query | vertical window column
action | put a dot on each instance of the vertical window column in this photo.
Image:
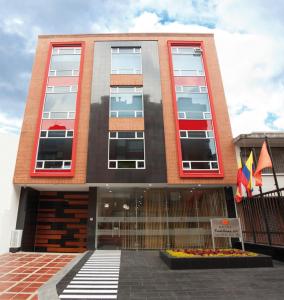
(196, 136)
(55, 147)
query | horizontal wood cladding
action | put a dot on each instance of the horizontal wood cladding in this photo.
(116, 124)
(62, 222)
(123, 79)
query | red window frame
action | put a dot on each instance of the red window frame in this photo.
(58, 173)
(188, 173)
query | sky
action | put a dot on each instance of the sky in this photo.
(248, 35)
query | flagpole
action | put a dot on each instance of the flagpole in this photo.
(254, 159)
(261, 204)
(273, 170)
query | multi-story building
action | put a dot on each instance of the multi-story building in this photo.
(126, 143)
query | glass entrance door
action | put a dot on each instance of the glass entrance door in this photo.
(157, 218)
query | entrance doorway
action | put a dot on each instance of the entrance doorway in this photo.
(157, 218)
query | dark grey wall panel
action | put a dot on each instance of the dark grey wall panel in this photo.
(98, 171)
(27, 217)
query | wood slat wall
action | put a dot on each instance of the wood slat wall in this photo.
(62, 222)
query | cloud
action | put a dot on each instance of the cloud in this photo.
(9, 124)
(248, 37)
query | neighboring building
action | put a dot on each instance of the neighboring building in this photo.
(126, 143)
(246, 142)
(9, 199)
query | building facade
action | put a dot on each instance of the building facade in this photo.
(245, 143)
(126, 143)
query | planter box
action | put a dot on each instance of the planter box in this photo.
(259, 261)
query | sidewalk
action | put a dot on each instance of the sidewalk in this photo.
(21, 274)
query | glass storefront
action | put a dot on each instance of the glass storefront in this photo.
(158, 218)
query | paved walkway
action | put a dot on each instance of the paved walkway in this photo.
(21, 274)
(143, 276)
(97, 278)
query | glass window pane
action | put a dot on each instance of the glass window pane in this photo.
(53, 165)
(60, 102)
(126, 164)
(126, 150)
(58, 115)
(55, 149)
(65, 62)
(187, 62)
(198, 149)
(126, 134)
(200, 165)
(126, 105)
(197, 134)
(126, 63)
(56, 133)
(196, 104)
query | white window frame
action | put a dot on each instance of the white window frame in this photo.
(135, 50)
(65, 163)
(70, 115)
(136, 161)
(194, 51)
(56, 52)
(119, 90)
(209, 134)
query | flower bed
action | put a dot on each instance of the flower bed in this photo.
(183, 253)
(213, 259)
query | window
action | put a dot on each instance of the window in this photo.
(126, 60)
(65, 61)
(60, 102)
(55, 150)
(126, 150)
(198, 150)
(187, 61)
(126, 102)
(193, 102)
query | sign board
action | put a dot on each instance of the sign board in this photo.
(226, 227)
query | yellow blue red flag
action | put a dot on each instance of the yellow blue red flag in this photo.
(248, 170)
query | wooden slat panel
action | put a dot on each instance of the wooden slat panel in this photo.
(57, 211)
(76, 202)
(48, 232)
(45, 215)
(39, 226)
(83, 244)
(76, 196)
(59, 220)
(66, 250)
(81, 216)
(47, 245)
(75, 211)
(76, 225)
(49, 236)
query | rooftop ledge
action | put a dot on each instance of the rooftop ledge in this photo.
(152, 34)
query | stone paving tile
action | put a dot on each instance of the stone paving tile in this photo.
(144, 276)
(21, 274)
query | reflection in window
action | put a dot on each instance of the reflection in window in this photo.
(65, 62)
(54, 152)
(126, 151)
(126, 61)
(59, 106)
(198, 151)
(187, 65)
(126, 102)
(193, 106)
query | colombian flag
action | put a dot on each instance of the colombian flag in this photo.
(247, 171)
(239, 192)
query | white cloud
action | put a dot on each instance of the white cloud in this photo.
(9, 124)
(248, 38)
